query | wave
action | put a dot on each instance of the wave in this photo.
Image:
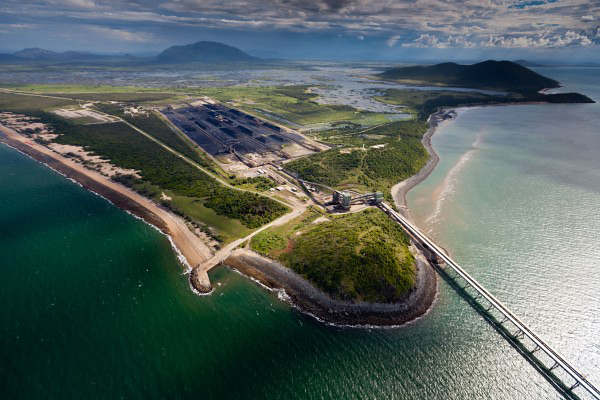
(446, 188)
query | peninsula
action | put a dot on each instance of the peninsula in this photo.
(233, 175)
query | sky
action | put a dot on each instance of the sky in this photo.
(318, 29)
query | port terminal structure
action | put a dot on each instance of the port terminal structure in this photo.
(553, 366)
(340, 199)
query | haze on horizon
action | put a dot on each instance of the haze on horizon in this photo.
(321, 29)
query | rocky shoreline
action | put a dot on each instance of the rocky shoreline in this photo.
(310, 300)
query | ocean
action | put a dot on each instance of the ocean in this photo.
(95, 303)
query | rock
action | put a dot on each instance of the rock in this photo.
(199, 280)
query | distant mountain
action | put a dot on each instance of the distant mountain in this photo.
(530, 64)
(498, 75)
(206, 52)
(35, 53)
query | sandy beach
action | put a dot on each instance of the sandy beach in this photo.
(192, 248)
(400, 189)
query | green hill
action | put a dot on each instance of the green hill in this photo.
(205, 52)
(498, 75)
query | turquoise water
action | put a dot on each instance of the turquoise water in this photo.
(516, 199)
(95, 305)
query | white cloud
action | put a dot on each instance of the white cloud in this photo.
(74, 3)
(570, 38)
(435, 23)
(427, 40)
(391, 42)
(361, 37)
(121, 34)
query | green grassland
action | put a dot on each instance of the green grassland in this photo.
(125, 94)
(358, 256)
(25, 104)
(289, 103)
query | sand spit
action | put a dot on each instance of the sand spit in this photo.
(191, 247)
(313, 301)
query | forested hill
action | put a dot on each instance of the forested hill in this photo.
(498, 75)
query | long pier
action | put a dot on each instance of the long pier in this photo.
(523, 331)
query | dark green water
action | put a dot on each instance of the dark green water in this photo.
(94, 305)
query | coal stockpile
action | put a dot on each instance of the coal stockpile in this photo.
(213, 122)
(203, 140)
(216, 129)
(230, 132)
(272, 127)
(245, 130)
(277, 138)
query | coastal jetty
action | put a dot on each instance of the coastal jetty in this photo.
(547, 360)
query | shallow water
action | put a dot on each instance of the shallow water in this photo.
(95, 305)
(516, 199)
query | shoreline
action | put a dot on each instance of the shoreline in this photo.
(400, 189)
(310, 300)
(190, 249)
(304, 296)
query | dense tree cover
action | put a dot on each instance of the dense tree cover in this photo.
(396, 161)
(330, 167)
(299, 92)
(358, 256)
(129, 149)
(372, 168)
(155, 126)
(411, 128)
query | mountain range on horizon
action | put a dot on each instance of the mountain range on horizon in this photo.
(207, 52)
(199, 52)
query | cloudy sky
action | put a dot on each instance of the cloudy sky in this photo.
(378, 29)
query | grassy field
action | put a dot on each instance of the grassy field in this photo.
(126, 94)
(359, 256)
(24, 104)
(290, 103)
(64, 88)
